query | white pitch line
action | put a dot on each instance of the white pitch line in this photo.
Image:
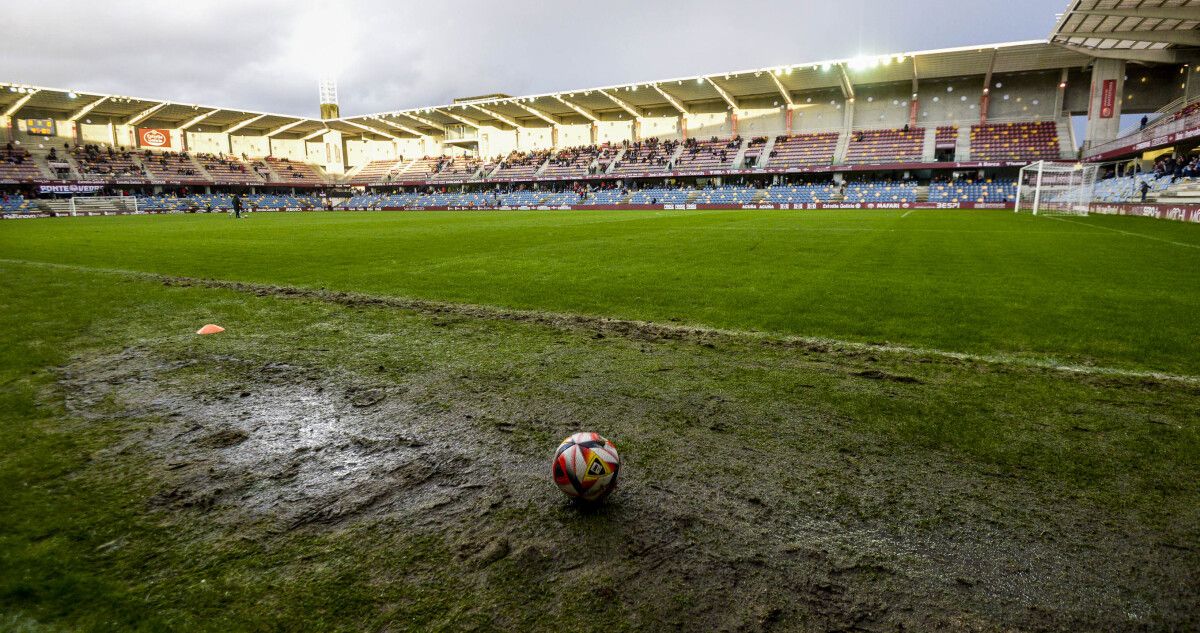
(991, 359)
(1107, 228)
(906, 213)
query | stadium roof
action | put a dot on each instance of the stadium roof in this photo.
(1141, 30)
(1073, 45)
(79, 105)
(777, 83)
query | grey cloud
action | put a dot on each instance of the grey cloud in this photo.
(265, 55)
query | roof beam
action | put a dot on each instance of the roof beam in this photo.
(87, 108)
(987, 77)
(1181, 38)
(587, 114)
(1165, 13)
(198, 118)
(462, 119)
(283, 128)
(402, 128)
(783, 92)
(144, 114)
(916, 77)
(847, 85)
(1151, 56)
(372, 130)
(671, 100)
(19, 103)
(423, 121)
(733, 103)
(623, 104)
(496, 115)
(538, 113)
(315, 134)
(243, 124)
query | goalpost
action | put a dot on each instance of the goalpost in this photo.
(1056, 188)
(103, 204)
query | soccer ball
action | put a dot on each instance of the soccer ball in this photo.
(585, 466)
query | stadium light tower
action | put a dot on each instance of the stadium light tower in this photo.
(327, 88)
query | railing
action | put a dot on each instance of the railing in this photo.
(1151, 132)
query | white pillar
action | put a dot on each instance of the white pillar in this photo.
(1104, 102)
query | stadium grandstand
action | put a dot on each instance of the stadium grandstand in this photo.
(970, 115)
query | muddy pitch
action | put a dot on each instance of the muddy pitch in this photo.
(729, 536)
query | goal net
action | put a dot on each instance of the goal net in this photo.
(103, 204)
(1056, 188)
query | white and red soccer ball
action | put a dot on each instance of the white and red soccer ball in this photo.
(586, 466)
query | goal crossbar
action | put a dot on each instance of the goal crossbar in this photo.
(102, 204)
(1056, 188)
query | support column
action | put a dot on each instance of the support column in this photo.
(333, 162)
(683, 126)
(787, 119)
(1104, 103)
(733, 122)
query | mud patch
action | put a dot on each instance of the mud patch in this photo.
(296, 446)
(875, 374)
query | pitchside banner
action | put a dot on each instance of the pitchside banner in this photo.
(1108, 98)
(154, 137)
(68, 189)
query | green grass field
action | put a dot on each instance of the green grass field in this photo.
(1103, 290)
(836, 420)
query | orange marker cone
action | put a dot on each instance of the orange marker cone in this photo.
(210, 329)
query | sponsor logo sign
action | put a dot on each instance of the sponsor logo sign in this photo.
(1108, 98)
(69, 188)
(154, 137)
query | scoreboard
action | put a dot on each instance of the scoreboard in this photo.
(40, 127)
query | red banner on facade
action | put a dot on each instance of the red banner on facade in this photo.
(154, 137)
(1108, 98)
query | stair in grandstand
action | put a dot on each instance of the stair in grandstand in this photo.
(264, 170)
(739, 159)
(1180, 192)
(405, 166)
(922, 193)
(1066, 140)
(843, 146)
(963, 153)
(617, 159)
(43, 166)
(674, 160)
(929, 146)
(764, 159)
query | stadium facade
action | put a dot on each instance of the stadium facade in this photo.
(917, 116)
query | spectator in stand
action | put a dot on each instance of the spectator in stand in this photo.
(1145, 121)
(1145, 190)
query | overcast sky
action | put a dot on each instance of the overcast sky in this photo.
(390, 54)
